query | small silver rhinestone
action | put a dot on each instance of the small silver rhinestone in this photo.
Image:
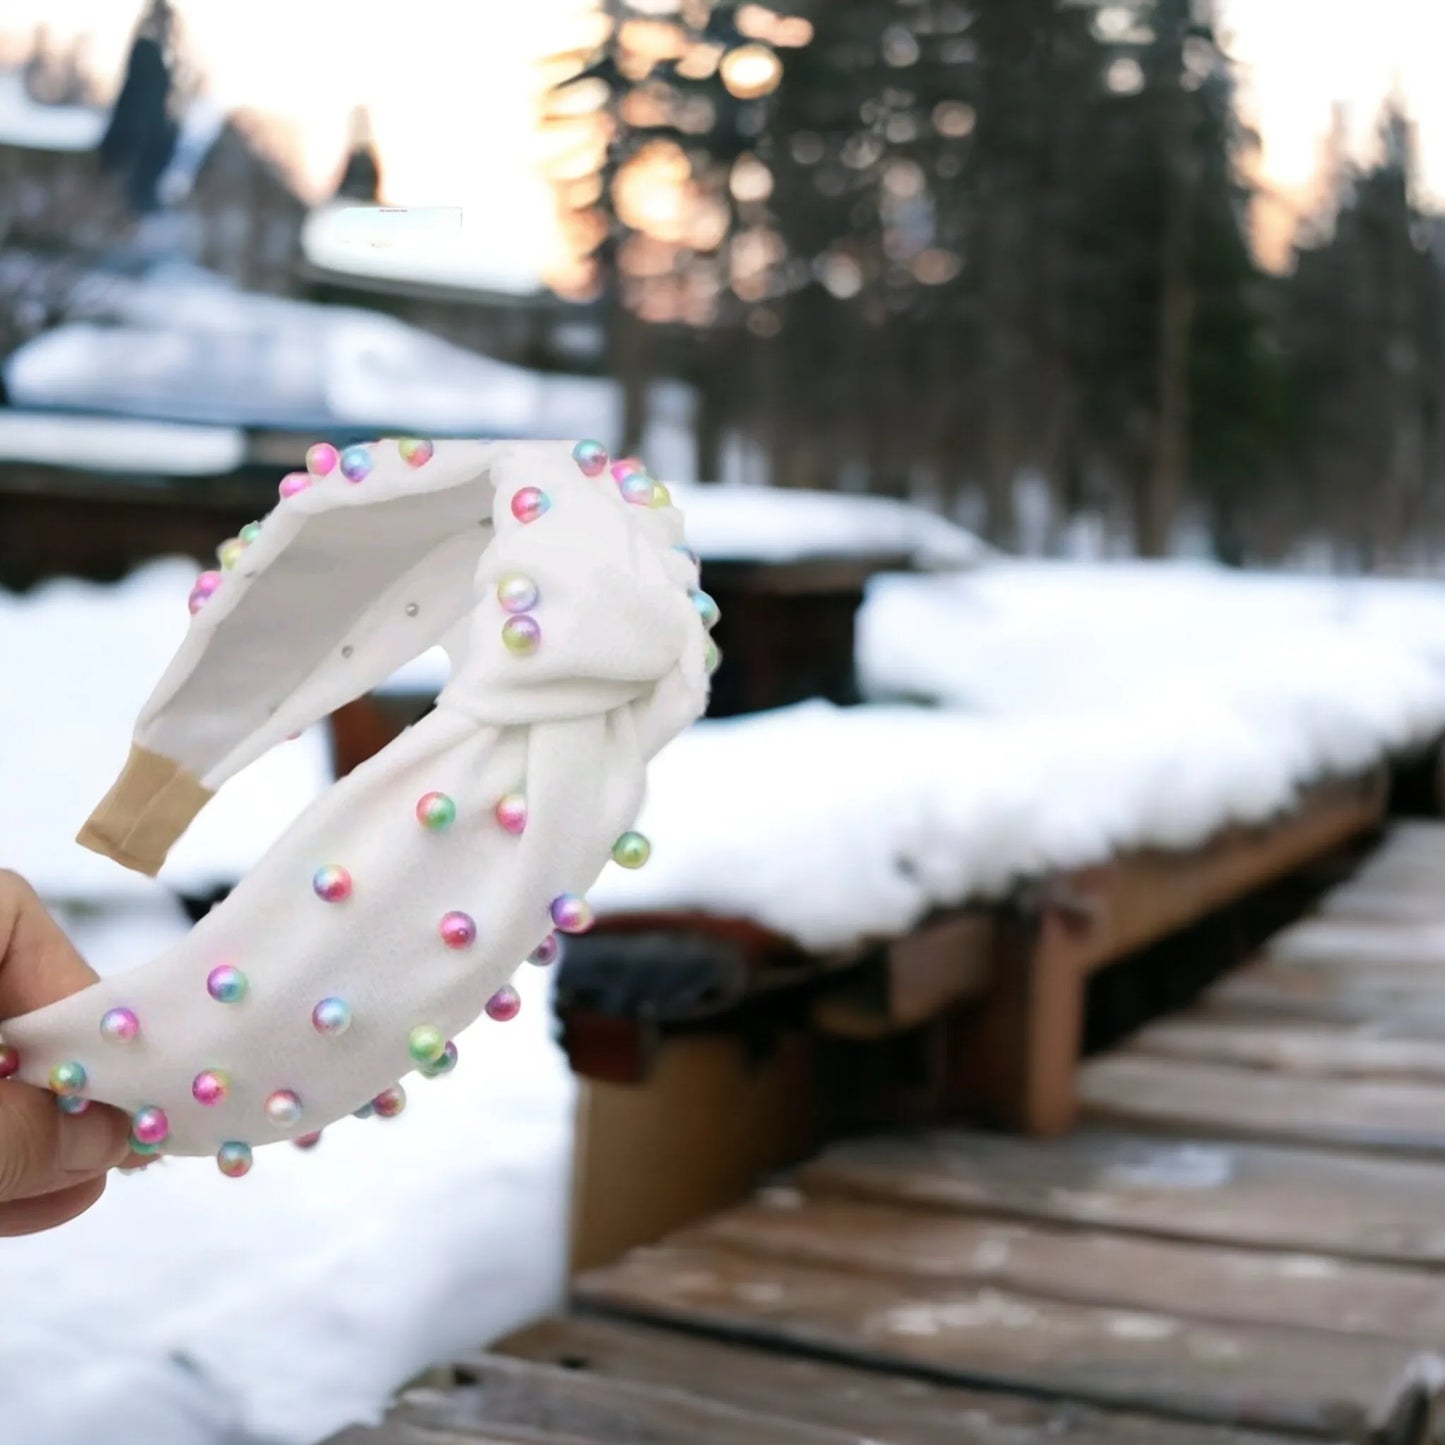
(412, 609)
(347, 650)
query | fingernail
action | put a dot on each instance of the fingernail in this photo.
(93, 1141)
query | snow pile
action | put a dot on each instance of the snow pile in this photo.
(117, 444)
(29, 125)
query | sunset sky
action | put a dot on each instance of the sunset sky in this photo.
(452, 87)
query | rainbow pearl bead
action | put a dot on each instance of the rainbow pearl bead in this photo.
(435, 812)
(591, 458)
(356, 464)
(530, 503)
(211, 1087)
(425, 1043)
(504, 1005)
(68, 1078)
(444, 1063)
(390, 1102)
(307, 1141)
(293, 483)
(230, 552)
(639, 489)
(234, 1159)
(227, 984)
(707, 609)
(321, 459)
(283, 1107)
(547, 952)
(571, 914)
(625, 467)
(70, 1104)
(511, 812)
(516, 593)
(631, 850)
(521, 635)
(415, 452)
(332, 883)
(9, 1061)
(203, 591)
(332, 1016)
(150, 1126)
(458, 930)
(119, 1025)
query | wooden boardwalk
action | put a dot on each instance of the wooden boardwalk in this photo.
(1243, 1243)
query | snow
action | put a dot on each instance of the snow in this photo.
(442, 246)
(26, 124)
(184, 345)
(116, 444)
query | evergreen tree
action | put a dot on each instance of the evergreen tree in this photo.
(141, 138)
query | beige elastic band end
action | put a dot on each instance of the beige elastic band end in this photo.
(149, 806)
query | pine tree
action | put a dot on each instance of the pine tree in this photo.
(141, 137)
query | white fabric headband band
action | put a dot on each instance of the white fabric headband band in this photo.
(392, 912)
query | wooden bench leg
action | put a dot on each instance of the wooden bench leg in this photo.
(692, 1138)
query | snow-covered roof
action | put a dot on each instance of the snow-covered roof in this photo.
(27, 124)
(184, 345)
(455, 248)
(118, 444)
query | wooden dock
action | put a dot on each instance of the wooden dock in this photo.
(1242, 1242)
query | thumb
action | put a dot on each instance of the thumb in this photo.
(43, 1150)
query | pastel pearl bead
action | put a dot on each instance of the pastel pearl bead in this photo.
(356, 464)
(119, 1025)
(626, 467)
(415, 452)
(150, 1126)
(226, 984)
(511, 812)
(68, 1078)
(687, 552)
(332, 1016)
(444, 1063)
(203, 591)
(661, 497)
(390, 1102)
(234, 1159)
(547, 952)
(283, 1107)
(631, 850)
(211, 1087)
(639, 489)
(307, 1141)
(71, 1104)
(516, 593)
(9, 1061)
(707, 609)
(591, 458)
(332, 883)
(435, 812)
(504, 1005)
(426, 1043)
(321, 459)
(459, 930)
(529, 503)
(521, 635)
(712, 656)
(230, 552)
(365, 1111)
(571, 914)
(249, 533)
(293, 483)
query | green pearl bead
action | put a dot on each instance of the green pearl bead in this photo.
(426, 1044)
(250, 532)
(631, 850)
(712, 657)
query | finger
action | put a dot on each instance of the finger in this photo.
(45, 1211)
(38, 963)
(43, 1150)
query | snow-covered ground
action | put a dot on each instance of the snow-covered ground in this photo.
(1086, 709)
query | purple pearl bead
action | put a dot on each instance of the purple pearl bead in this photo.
(504, 1005)
(356, 464)
(547, 952)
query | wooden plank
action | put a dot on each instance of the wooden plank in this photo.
(1200, 1281)
(883, 1407)
(1137, 1090)
(1311, 1382)
(1332, 942)
(1251, 1195)
(1304, 1048)
(1404, 996)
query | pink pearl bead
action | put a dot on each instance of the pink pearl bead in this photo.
(210, 1088)
(150, 1125)
(529, 503)
(511, 812)
(119, 1025)
(9, 1061)
(504, 1005)
(571, 914)
(203, 591)
(390, 1102)
(459, 930)
(332, 883)
(626, 467)
(292, 483)
(415, 452)
(307, 1141)
(545, 954)
(321, 459)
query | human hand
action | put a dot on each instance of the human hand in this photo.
(53, 1165)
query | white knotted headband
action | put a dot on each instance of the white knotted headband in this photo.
(389, 916)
